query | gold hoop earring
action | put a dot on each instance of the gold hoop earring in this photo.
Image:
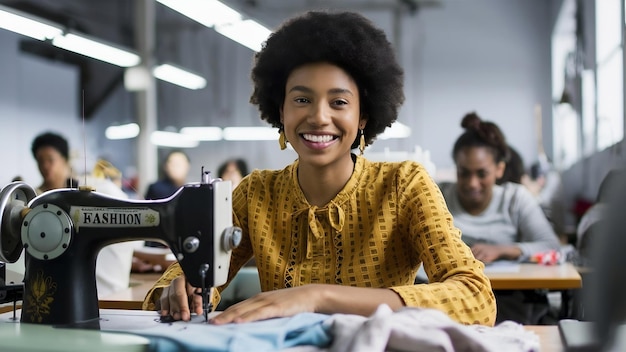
(362, 143)
(282, 140)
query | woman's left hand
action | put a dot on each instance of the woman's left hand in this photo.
(272, 304)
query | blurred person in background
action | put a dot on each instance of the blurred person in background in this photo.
(233, 170)
(592, 218)
(114, 262)
(544, 182)
(51, 151)
(175, 170)
(514, 169)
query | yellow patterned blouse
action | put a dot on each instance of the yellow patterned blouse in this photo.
(388, 219)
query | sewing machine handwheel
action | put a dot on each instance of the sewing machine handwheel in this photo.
(13, 199)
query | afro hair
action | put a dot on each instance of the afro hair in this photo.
(345, 39)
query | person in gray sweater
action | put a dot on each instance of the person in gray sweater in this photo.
(511, 227)
(498, 222)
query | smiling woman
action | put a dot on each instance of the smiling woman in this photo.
(506, 220)
(334, 232)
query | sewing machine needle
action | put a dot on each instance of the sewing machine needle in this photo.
(207, 305)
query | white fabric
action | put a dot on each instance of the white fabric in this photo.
(113, 267)
(114, 261)
(415, 329)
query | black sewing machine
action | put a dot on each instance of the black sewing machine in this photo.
(63, 230)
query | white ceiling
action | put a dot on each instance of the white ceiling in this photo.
(113, 21)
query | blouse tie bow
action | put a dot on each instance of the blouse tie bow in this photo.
(336, 218)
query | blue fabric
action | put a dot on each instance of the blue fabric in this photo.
(266, 335)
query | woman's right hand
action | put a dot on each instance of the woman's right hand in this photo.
(178, 300)
(488, 253)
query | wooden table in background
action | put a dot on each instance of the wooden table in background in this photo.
(537, 276)
(132, 297)
(549, 338)
(529, 276)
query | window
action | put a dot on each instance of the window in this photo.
(610, 73)
(588, 85)
(565, 125)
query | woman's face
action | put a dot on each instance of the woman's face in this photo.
(477, 172)
(232, 174)
(52, 165)
(321, 113)
(177, 167)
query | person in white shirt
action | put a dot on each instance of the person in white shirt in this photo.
(597, 212)
(113, 264)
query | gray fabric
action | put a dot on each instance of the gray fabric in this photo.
(415, 329)
(512, 217)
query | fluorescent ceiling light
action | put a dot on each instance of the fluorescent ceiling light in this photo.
(206, 12)
(126, 131)
(250, 133)
(41, 29)
(172, 139)
(24, 24)
(96, 49)
(137, 78)
(203, 133)
(248, 33)
(397, 130)
(226, 20)
(179, 76)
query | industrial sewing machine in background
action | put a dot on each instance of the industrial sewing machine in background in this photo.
(10, 291)
(63, 230)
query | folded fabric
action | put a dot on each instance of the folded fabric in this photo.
(415, 329)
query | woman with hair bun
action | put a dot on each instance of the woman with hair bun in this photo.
(496, 221)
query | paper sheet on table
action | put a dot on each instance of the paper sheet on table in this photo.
(502, 266)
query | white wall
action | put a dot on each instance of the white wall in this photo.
(488, 56)
(35, 96)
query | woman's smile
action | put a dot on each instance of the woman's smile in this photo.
(318, 141)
